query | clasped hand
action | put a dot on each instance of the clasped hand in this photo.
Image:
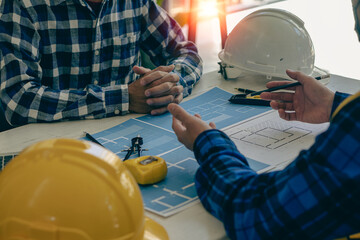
(154, 90)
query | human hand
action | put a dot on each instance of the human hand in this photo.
(311, 102)
(161, 87)
(187, 127)
(137, 98)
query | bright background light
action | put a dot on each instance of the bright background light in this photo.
(207, 8)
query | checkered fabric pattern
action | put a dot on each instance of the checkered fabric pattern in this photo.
(5, 159)
(60, 60)
(315, 197)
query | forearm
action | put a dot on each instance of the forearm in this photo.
(222, 168)
(166, 45)
(284, 204)
(27, 101)
(224, 183)
(189, 69)
(29, 95)
(188, 63)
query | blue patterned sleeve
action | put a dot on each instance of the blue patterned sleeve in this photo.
(315, 197)
(338, 98)
(24, 95)
(164, 41)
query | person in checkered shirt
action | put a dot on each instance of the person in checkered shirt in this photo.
(315, 197)
(80, 59)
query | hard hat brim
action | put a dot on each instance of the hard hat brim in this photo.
(234, 71)
(154, 230)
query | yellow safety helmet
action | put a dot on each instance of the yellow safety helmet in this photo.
(67, 189)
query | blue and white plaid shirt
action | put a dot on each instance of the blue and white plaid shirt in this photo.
(59, 60)
(315, 197)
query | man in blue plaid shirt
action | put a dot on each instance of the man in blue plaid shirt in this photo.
(315, 197)
(76, 59)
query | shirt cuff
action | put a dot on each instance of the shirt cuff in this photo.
(210, 141)
(338, 98)
(116, 100)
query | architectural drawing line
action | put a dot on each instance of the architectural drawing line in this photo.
(153, 125)
(295, 139)
(176, 193)
(179, 162)
(112, 140)
(158, 201)
(291, 137)
(181, 205)
(187, 186)
(169, 151)
(266, 136)
(169, 165)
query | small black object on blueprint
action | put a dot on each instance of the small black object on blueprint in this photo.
(242, 99)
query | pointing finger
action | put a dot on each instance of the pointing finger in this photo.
(179, 113)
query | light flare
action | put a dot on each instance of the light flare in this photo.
(207, 8)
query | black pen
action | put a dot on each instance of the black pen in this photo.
(285, 86)
(244, 90)
(92, 139)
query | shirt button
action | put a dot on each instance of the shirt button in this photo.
(97, 52)
(117, 112)
(96, 82)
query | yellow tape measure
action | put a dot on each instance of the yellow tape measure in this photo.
(147, 169)
(254, 97)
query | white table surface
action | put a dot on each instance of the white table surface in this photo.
(330, 24)
(192, 223)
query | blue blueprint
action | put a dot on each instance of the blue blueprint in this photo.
(213, 106)
(177, 190)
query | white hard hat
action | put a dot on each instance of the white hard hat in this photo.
(268, 42)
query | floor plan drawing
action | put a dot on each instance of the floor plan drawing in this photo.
(270, 134)
(272, 140)
(177, 191)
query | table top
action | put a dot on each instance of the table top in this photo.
(326, 30)
(192, 223)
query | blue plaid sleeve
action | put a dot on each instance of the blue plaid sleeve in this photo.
(315, 197)
(164, 41)
(46, 69)
(338, 98)
(60, 60)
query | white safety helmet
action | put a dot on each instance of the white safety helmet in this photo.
(268, 42)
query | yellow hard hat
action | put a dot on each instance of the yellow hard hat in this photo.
(66, 189)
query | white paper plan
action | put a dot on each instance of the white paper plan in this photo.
(269, 139)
